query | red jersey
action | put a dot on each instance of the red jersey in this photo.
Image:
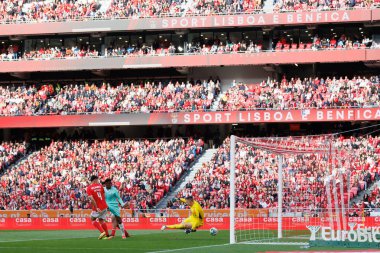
(97, 192)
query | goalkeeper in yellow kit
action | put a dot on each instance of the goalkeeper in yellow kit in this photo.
(194, 221)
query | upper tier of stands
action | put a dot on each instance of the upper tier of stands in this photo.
(53, 10)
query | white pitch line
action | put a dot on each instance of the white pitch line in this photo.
(199, 247)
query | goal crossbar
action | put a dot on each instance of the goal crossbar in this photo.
(279, 148)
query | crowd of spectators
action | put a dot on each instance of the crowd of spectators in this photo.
(23, 100)
(27, 11)
(212, 46)
(297, 93)
(56, 52)
(10, 152)
(162, 8)
(21, 11)
(314, 5)
(10, 51)
(305, 175)
(157, 96)
(130, 50)
(324, 42)
(56, 176)
(371, 201)
(143, 97)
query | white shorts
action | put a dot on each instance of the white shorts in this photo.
(99, 215)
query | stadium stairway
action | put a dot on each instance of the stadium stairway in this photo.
(361, 194)
(188, 177)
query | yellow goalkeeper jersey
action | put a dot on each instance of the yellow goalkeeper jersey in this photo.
(196, 210)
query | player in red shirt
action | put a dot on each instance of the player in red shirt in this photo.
(95, 193)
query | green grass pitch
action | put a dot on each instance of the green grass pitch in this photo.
(141, 241)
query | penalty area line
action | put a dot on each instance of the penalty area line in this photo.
(199, 247)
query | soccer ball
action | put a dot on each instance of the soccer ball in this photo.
(213, 231)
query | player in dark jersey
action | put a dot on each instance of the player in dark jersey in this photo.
(113, 201)
(95, 193)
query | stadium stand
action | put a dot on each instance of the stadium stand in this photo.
(297, 93)
(257, 176)
(23, 100)
(295, 5)
(144, 97)
(49, 53)
(12, 51)
(29, 11)
(318, 42)
(157, 96)
(55, 177)
(371, 200)
(10, 152)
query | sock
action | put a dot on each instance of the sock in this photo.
(121, 226)
(97, 225)
(104, 226)
(113, 232)
(176, 226)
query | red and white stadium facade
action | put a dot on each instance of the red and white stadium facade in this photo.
(43, 220)
(199, 117)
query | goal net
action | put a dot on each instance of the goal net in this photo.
(285, 188)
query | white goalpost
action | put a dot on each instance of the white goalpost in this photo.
(282, 188)
(232, 190)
